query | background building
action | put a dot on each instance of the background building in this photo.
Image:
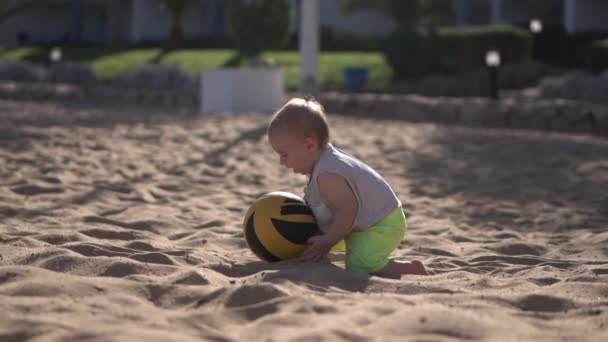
(120, 22)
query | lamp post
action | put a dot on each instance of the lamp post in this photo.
(493, 63)
(55, 55)
(536, 27)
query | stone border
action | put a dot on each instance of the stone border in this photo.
(98, 95)
(513, 112)
(520, 112)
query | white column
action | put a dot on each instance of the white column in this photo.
(570, 16)
(309, 45)
(462, 12)
(136, 20)
(496, 11)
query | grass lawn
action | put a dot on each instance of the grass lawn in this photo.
(111, 63)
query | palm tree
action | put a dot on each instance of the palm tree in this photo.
(175, 9)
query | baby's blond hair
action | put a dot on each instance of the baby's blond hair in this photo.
(304, 116)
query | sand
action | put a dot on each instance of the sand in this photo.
(123, 225)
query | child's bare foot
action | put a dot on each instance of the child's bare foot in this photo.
(395, 269)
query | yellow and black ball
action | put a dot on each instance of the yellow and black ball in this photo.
(277, 226)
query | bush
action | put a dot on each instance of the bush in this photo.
(598, 57)
(335, 40)
(75, 73)
(258, 25)
(157, 76)
(465, 47)
(577, 48)
(413, 54)
(20, 71)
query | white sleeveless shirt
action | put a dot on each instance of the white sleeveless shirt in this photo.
(374, 195)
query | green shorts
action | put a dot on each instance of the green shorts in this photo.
(368, 251)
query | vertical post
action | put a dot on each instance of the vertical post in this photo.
(463, 8)
(570, 16)
(496, 10)
(75, 29)
(136, 18)
(493, 71)
(309, 45)
(493, 63)
(113, 29)
(215, 16)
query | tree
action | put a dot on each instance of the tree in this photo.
(412, 50)
(175, 9)
(258, 25)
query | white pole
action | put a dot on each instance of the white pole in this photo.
(309, 45)
(496, 11)
(570, 16)
(136, 21)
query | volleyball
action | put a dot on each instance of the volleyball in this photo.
(277, 226)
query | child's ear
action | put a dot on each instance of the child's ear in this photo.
(311, 143)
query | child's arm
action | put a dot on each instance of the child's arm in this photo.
(342, 202)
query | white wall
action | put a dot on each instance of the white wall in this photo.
(42, 24)
(366, 23)
(514, 11)
(48, 21)
(586, 15)
(152, 23)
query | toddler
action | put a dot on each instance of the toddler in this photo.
(349, 199)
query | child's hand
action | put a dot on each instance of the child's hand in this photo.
(318, 248)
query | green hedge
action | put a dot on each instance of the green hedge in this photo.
(451, 49)
(412, 54)
(598, 57)
(336, 40)
(258, 26)
(466, 47)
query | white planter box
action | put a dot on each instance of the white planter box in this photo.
(242, 90)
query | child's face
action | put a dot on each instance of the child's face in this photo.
(295, 152)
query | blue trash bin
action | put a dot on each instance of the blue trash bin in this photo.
(355, 78)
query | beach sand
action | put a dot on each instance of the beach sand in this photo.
(120, 225)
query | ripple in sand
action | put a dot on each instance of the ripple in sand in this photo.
(153, 258)
(434, 251)
(543, 303)
(517, 248)
(211, 223)
(60, 239)
(93, 250)
(600, 271)
(113, 234)
(64, 263)
(253, 294)
(191, 278)
(32, 190)
(121, 269)
(141, 246)
(545, 281)
(149, 225)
